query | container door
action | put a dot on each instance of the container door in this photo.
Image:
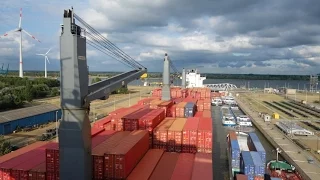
(7, 129)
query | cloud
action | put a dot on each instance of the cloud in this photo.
(233, 36)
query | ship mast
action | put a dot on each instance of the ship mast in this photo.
(278, 152)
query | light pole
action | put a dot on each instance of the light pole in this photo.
(57, 138)
(129, 100)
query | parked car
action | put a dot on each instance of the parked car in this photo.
(216, 102)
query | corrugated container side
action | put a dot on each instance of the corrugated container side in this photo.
(160, 134)
(131, 121)
(117, 122)
(184, 166)
(180, 109)
(175, 135)
(38, 172)
(189, 135)
(246, 163)
(151, 123)
(22, 150)
(259, 165)
(101, 166)
(102, 122)
(241, 177)
(202, 167)
(205, 135)
(129, 152)
(235, 154)
(173, 111)
(165, 167)
(198, 114)
(21, 171)
(5, 167)
(146, 166)
(200, 106)
(254, 144)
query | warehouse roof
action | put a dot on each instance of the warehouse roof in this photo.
(16, 114)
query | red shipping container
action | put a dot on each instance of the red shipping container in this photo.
(117, 121)
(241, 177)
(160, 134)
(165, 167)
(173, 93)
(175, 135)
(146, 166)
(22, 150)
(95, 131)
(208, 94)
(38, 172)
(151, 123)
(189, 135)
(154, 104)
(21, 171)
(177, 100)
(202, 167)
(206, 114)
(200, 105)
(165, 106)
(205, 135)
(117, 111)
(173, 111)
(206, 104)
(131, 121)
(180, 109)
(100, 168)
(179, 94)
(5, 167)
(197, 95)
(184, 166)
(129, 152)
(52, 154)
(199, 114)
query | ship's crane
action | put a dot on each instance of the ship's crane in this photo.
(76, 95)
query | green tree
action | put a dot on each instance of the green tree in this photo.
(95, 80)
(5, 146)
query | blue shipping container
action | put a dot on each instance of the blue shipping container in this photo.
(235, 149)
(189, 109)
(259, 165)
(247, 164)
(254, 144)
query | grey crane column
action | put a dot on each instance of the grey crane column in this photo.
(166, 94)
(183, 83)
(74, 130)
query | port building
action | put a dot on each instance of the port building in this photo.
(30, 116)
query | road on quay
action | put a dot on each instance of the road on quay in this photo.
(295, 155)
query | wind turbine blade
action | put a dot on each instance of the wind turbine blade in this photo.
(20, 18)
(48, 51)
(30, 35)
(9, 32)
(40, 54)
(47, 59)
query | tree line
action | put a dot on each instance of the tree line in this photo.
(15, 91)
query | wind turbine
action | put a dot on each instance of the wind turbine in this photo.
(45, 62)
(20, 30)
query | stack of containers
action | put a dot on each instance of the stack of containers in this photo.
(160, 134)
(117, 122)
(254, 144)
(259, 170)
(106, 120)
(103, 167)
(200, 106)
(177, 100)
(189, 135)
(202, 167)
(131, 121)
(180, 109)
(146, 101)
(175, 135)
(172, 111)
(184, 166)
(207, 104)
(145, 167)
(26, 161)
(204, 137)
(208, 94)
(126, 155)
(166, 105)
(235, 151)
(190, 109)
(95, 131)
(173, 93)
(247, 165)
(156, 92)
(151, 119)
(52, 154)
(198, 114)
(38, 172)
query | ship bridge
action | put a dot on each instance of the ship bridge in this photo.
(221, 87)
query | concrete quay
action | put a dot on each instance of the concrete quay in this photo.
(290, 151)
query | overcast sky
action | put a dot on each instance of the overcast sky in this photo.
(230, 36)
